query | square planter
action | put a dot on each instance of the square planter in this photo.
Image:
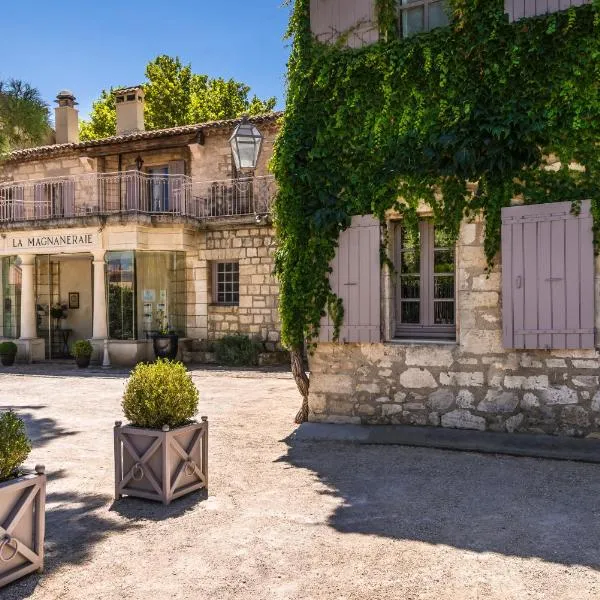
(161, 465)
(22, 526)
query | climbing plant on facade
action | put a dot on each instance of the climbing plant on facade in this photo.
(463, 117)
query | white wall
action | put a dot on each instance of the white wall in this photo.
(76, 276)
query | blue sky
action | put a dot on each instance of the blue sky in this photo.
(87, 46)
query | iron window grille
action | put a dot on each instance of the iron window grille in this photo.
(418, 16)
(226, 283)
(425, 286)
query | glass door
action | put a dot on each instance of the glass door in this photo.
(47, 293)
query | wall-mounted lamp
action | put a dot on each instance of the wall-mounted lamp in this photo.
(139, 163)
(200, 138)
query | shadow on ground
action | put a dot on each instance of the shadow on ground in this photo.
(75, 523)
(482, 503)
(41, 430)
(137, 509)
(61, 370)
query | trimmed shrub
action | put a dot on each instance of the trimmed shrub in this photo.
(14, 445)
(158, 394)
(81, 348)
(8, 348)
(237, 350)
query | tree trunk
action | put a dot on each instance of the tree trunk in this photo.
(302, 382)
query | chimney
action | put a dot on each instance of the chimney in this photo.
(66, 120)
(130, 109)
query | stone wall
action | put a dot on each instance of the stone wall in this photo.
(471, 384)
(252, 246)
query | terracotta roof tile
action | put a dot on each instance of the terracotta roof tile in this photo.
(58, 149)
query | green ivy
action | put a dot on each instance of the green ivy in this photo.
(480, 102)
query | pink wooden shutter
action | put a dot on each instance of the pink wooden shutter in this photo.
(176, 186)
(520, 9)
(68, 197)
(356, 279)
(547, 276)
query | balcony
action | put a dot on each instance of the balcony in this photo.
(133, 192)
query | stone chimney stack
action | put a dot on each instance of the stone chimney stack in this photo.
(66, 118)
(130, 109)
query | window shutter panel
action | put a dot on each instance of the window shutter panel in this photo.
(40, 209)
(547, 276)
(520, 9)
(176, 187)
(132, 189)
(68, 195)
(356, 279)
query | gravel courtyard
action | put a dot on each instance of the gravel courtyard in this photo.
(290, 520)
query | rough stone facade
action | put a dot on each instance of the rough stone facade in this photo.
(252, 246)
(471, 384)
(207, 157)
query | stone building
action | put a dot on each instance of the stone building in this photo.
(442, 342)
(130, 235)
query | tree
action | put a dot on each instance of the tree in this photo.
(24, 116)
(175, 95)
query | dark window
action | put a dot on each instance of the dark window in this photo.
(417, 16)
(425, 285)
(226, 283)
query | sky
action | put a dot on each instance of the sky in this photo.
(87, 46)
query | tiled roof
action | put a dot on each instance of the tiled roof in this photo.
(58, 149)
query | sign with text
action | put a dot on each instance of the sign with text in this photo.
(52, 240)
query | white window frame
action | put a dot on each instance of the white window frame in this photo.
(426, 328)
(235, 280)
(426, 4)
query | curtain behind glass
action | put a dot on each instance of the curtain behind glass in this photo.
(120, 274)
(161, 293)
(10, 305)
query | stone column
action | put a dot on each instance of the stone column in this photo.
(28, 312)
(100, 328)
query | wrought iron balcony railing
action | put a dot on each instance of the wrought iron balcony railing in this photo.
(134, 192)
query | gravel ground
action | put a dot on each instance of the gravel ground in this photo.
(290, 520)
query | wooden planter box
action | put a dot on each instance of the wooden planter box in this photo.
(22, 526)
(161, 465)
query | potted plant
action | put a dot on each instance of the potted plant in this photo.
(58, 312)
(22, 504)
(8, 353)
(163, 453)
(164, 340)
(82, 351)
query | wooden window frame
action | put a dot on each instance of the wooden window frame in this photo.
(426, 328)
(215, 283)
(426, 4)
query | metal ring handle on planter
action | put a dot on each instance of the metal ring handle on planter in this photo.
(6, 543)
(190, 468)
(139, 470)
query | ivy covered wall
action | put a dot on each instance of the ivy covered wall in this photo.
(385, 126)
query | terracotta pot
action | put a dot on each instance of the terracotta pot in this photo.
(83, 362)
(160, 465)
(8, 360)
(165, 346)
(22, 529)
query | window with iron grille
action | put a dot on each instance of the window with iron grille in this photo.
(425, 285)
(417, 16)
(226, 283)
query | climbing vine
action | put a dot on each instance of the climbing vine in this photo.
(465, 118)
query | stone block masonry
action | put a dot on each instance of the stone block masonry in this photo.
(530, 391)
(473, 384)
(252, 247)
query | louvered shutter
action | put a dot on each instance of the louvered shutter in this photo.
(176, 187)
(548, 276)
(356, 279)
(133, 182)
(68, 198)
(40, 202)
